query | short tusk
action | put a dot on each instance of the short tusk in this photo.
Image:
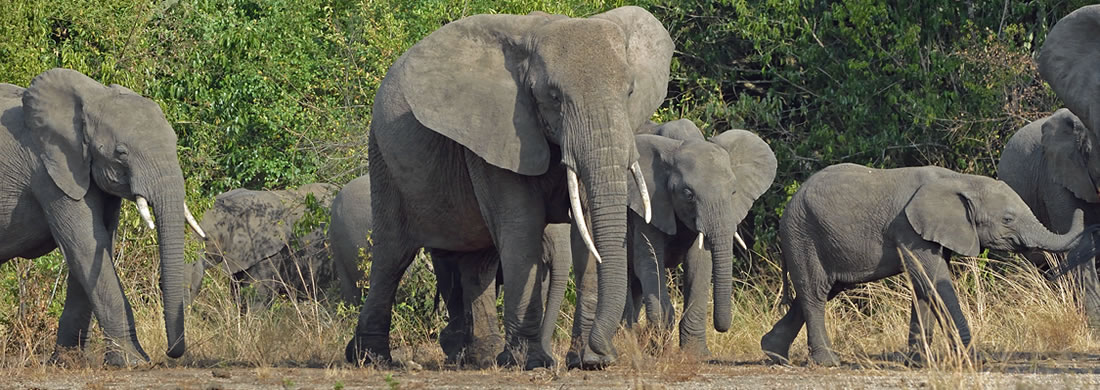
(578, 214)
(700, 240)
(640, 180)
(143, 210)
(740, 241)
(191, 221)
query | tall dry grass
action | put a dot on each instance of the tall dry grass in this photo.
(1014, 314)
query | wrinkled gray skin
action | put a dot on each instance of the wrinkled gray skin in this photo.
(1052, 162)
(926, 213)
(465, 280)
(251, 235)
(1046, 163)
(473, 131)
(70, 150)
(696, 186)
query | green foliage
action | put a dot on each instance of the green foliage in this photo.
(872, 82)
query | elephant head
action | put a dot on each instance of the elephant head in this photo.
(521, 90)
(709, 188)
(1070, 62)
(87, 132)
(965, 214)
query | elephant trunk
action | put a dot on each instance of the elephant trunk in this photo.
(166, 192)
(719, 238)
(598, 144)
(1040, 237)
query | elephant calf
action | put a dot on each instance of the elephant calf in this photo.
(254, 235)
(850, 224)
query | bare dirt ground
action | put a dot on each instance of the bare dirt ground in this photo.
(1020, 371)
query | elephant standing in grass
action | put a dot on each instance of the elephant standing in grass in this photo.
(1053, 162)
(257, 238)
(700, 191)
(71, 149)
(487, 130)
(850, 224)
(472, 335)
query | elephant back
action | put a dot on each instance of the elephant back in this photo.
(11, 97)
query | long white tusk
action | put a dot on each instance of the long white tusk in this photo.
(740, 241)
(143, 210)
(640, 180)
(700, 240)
(191, 221)
(578, 214)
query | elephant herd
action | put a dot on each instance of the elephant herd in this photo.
(513, 147)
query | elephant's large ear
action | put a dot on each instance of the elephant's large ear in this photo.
(10, 91)
(650, 149)
(1069, 61)
(1066, 147)
(462, 81)
(753, 165)
(649, 50)
(53, 108)
(943, 212)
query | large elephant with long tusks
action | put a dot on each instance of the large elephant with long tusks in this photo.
(495, 125)
(71, 149)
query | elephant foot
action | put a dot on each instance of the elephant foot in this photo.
(696, 349)
(66, 356)
(538, 359)
(776, 347)
(481, 353)
(361, 352)
(914, 358)
(595, 361)
(824, 357)
(125, 357)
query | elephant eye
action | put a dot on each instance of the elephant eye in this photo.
(688, 194)
(1008, 218)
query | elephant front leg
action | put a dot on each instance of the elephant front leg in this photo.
(76, 319)
(921, 323)
(693, 325)
(80, 230)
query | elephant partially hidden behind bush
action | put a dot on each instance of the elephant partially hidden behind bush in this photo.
(271, 240)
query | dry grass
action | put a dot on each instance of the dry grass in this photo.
(1014, 314)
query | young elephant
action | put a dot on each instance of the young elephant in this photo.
(254, 236)
(700, 193)
(850, 224)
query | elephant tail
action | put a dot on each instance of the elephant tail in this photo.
(785, 291)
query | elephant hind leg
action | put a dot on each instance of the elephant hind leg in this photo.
(777, 342)
(371, 342)
(76, 319)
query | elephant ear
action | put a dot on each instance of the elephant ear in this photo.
(10, 91)
(1069, 61)
(655, 170)
(54, 109)
(649, 51)
(249, 226)
(753, 165)
(1066, 146)
(943, 212)
(461, 81)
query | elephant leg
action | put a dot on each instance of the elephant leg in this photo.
(920, 327)
(448, 285)
(813, 287)
(515, 213)
(478, 271)
(584, 277)
(81, 231)
(371, 342)
(933, 277)
(1089, 292)
(693, 324)
(648, 263)
(76, 319)
(777, 342)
